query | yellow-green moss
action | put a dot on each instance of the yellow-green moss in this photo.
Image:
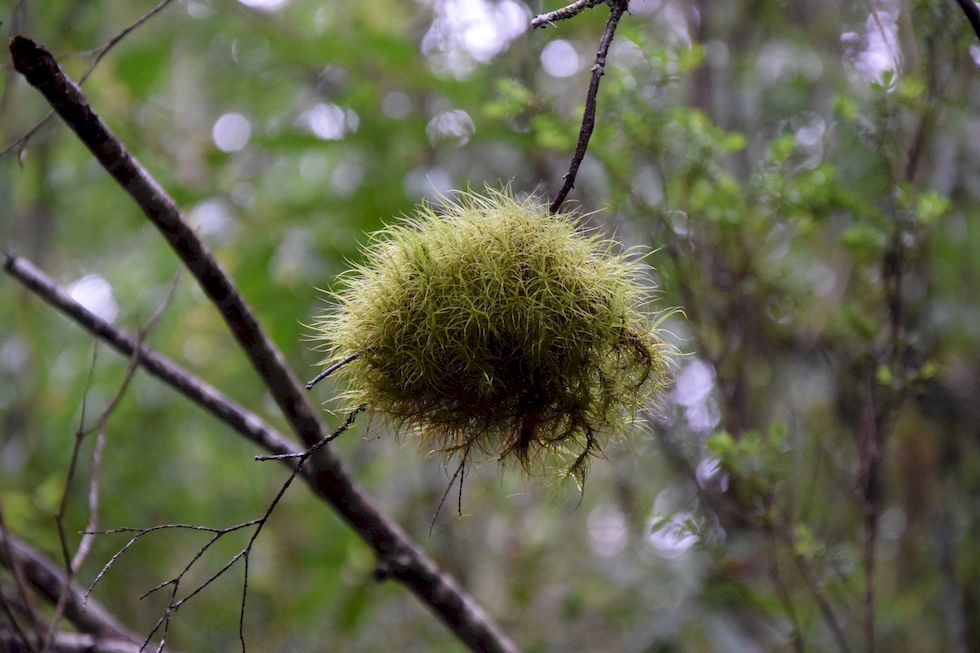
(491, 325)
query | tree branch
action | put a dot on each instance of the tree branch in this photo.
(566, 12)
(50, 581)
(439, 591)
(206, 396)
(397, 553)
(21, 142)
(616, 10)
(972, 12)
(76, 643)
(74, 562)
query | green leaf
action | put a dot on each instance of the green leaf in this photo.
(139, 67)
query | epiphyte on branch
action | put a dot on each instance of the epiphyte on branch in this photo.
(487, 324)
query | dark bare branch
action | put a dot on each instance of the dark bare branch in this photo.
(242, 420)
(64, 642)
(436, 589)
(330, 370)
(99, 53)
(972, 12)
(20, 575)
(566, 12)
(49, 580)
(616, 10)
(395, 549)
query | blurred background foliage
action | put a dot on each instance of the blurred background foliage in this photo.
(805, 175)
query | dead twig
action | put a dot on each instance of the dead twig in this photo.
(330, 370)
(396, 551)
(616, 10)
(48, 580)
(244, 555)
(74, 562)
(456, 609)
(99, 53)
(566, 12)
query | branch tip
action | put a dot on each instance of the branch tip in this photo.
(330, 370)
(616, 10)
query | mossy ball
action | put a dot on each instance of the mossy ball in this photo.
(487, 324)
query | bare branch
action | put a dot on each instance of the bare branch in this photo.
(440, 592)
(616, 10)
(203, 394)
(972, 12)
(76, 643)
(21, 142)
(18, 635)
(49, 580)
(74, 563)
(174, 603)
(20, 575)
(566, 12)
(407, 563)
(330, 370)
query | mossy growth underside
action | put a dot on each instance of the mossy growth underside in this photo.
(489, 325)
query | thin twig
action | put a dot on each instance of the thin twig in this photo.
(810, 580)
(20, 579)
(458, 611)
(461, 474)
(174, 603)
(616, 10)
(24, 641)
(330, 370)
(303, 456)
(49, 580)
(566, 12)
(74, 563)
(776, 576)
(59, 518)
(21, 142)
(408, 564)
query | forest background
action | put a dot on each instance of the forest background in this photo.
(804, 174)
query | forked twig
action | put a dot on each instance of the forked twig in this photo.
(461, 474)
(616, 10)
(74, 562)
(21, 142)
(47, 580)
(244, 554)
(417, 571)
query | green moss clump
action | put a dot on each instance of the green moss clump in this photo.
(491, 325)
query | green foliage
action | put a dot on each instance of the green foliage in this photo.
(488, 324)
(743, 144)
